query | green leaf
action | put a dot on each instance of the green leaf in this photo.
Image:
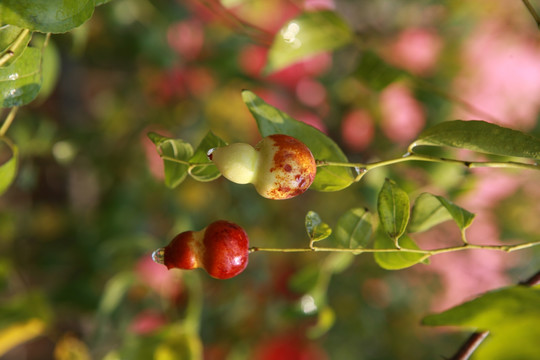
(398, 259)
(480, 136)
(462, 217)
(316, 229)
(210, 172)
(510, 314)
(8, 170)
(273, 121)
(115, 290)
(20, 82)
(175, 172)
(393, 209)
(13, 41)
(427, 212)
(55, 16)
(307, 34)
(50, 69)
(375, 72)
(353, 229)
(325, 320)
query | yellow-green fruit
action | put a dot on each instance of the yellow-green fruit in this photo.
(280, 166)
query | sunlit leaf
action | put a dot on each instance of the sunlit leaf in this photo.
(462, 217)
(307, 34)
(20, 82)
(398, 259)
(480, 136)
(210, 172)
(510, 314)
(175, 172)
(8, 170)
(316, 228)
(273, 121)
(375, 72)
(19, 333)
(55, 16)
(353, 229)
(393, 209)
(427, 212)
(13, 41)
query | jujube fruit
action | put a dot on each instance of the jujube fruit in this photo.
(222, 249)
(279, 166)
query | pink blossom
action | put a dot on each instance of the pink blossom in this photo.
(167, 283)
(402, 115)
(186, 38)
(416, 50)
(357, 130)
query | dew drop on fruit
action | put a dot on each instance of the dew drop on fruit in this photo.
(159, 256)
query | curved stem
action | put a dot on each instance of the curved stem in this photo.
(10, 52)
(9, 119)
(532, 11)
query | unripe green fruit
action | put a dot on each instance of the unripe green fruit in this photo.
(222, 249)
(280, 166)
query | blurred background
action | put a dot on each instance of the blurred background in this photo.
(89, 205)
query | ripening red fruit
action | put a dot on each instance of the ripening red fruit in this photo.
(222, 249)
(280, 166)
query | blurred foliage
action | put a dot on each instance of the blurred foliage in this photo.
(88, 204)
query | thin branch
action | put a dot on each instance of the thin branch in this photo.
(9, 119)
(14, 47)
(533, 12)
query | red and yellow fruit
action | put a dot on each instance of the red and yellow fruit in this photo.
(279, 166)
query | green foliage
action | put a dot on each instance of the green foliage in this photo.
(430, 210)
(317, 230)
(510, 314)
(375, 72)
(8, 170)
(210, 172)
(178, 149)
(20, 82)
(400, 258)
(307, 34)
(54, 16)
(353, 229)
(393, 210)
(13, 41)
(273, 121)
(480, 136)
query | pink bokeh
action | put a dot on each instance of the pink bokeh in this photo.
(147, 322)
(402, 115)
(500, 76)
(167, 283)
(357, 130)
(186, 38)
(416, 50)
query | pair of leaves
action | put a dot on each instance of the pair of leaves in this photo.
(510, 315)
(394, 213)
(353, 229)
(178, 149)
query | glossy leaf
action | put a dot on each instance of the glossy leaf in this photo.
(353, 229)
(8, 170)
(510, 314)
(399, 259)
(175, 172)
(55, 16)
(210, 172)
(307, 34)
(375, 72)
(20, 82)
(316, 228)
(482, 137)
(427, 212)
(393, 209)
(273, 121)
(13, 41)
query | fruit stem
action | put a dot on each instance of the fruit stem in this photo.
(357, 251)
